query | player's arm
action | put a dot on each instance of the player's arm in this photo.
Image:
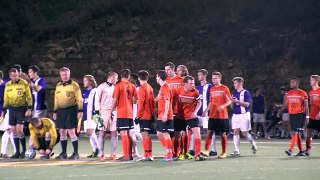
(141, 101)
(135, 93)
(166, 111)
(306, 109)
(228, 100)
(33, 134)
(54, 136)
(97, 99)
(79, 100)
(204, 114)
(55, 104)
(42, 85)
(199, 103)
(28, 99)
(246, 102)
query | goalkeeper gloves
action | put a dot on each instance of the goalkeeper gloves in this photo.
(97, 118)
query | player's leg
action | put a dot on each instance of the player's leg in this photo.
(145, 128)
(93, 142)
(250, 139)
(222, 130)
(168, 146)
(64, 143)
(101, 140)
(4, 144)
(308, 140)
(22, 139)
(236, 142)
(75, 143)
(196, 132)
(133, 136)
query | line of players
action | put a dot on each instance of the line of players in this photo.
(182, 109)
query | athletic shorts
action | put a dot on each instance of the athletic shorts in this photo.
(297, 122)
(192, 123)
(89, 124)
(109, 124)
(145, 125)
(179, 124)
(259, 118)
(314, 124)
(124, 124)
(67, 118)
(17, 115)
(165, 126)
(39, 113)
(241, 121)
(219, 125)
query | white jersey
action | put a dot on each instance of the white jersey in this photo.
(135, 107)
(103, 98)
(91, 103)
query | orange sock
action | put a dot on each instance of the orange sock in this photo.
(145, 147)
(186, 143)
(300, 142)
(163, 142)
(224, 142)
(197, 146)
(293, 141)
(125, 142)
(176, 146)
(130, 146)
(149, 142)
(169, 147)
(208, 142)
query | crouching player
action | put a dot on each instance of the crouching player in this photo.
(44, 136)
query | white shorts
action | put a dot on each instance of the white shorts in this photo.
(89, 124)
(203, 121)
(109, 124)
(39, 113)
(258, 118)
(5, 122)
(285, 117)
(241, 121)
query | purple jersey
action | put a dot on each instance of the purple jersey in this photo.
(86, 98)
(39, 97)
(204, 92)
(2, 86)
(242, 96)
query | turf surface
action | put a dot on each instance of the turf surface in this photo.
(269, 163)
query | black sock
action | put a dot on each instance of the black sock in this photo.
(64, 146)
(47, 144)
(75, 146)
(16, 144)
(23, 144)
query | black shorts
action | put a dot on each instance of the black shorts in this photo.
(297, 122)
(192, 123)
(179, 125)
(17, 115)
(43, 145)
(165, 126)
(145, 125)
(67, 118)
(218, 125)
(314, 124)
(124, 124)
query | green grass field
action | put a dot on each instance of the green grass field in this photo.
(269, 163)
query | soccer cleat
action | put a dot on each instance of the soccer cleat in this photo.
(150, 158)
(4, 156)
(188, 156)
(254, 149)
(301, 153)
(200, 158)
(45, 157)
(135, 155)
(212, 153)
(92, 155)
(192, 152)
(204, 154)
(101, 157)
(122, 157)
(235, 154)
(143, 159)
(222, 156)
(22, 155)
(113, 157)
(15, 156)
(51, 153)
(62, 156)
(167, 159)
(180, 157)
(307, 153)
(288, 152)
(74, 156)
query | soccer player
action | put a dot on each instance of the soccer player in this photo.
(18, 99)
(44, 136)
(259, 108)
(145, 115)
(284, 124)
(135, 132)
(314, 122)
(182, 71)
(103, 104)
(68, 108)
(89, 125)
(188, 105)
(297, 103)
(123, 96)
(4, 123)
(241, 116)
(165, 115)
(220, 99)
(38, 85)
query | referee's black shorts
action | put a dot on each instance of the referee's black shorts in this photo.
(67, 118)
(17, 115)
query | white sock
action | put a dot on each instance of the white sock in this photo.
(213, 143)
(94, 141)
(134, 143)
(282, 132)
(236, 143)
(12, 141)
(114, 144)
(250, 139)
(4, 142)
(101, 145)
(191, 148)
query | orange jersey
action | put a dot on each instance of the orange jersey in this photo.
(163, 96)
(314, 103)
(146, 102)
(219, 95)
(175, 83)
(187, 103)
(295, 101)
(125, 92)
